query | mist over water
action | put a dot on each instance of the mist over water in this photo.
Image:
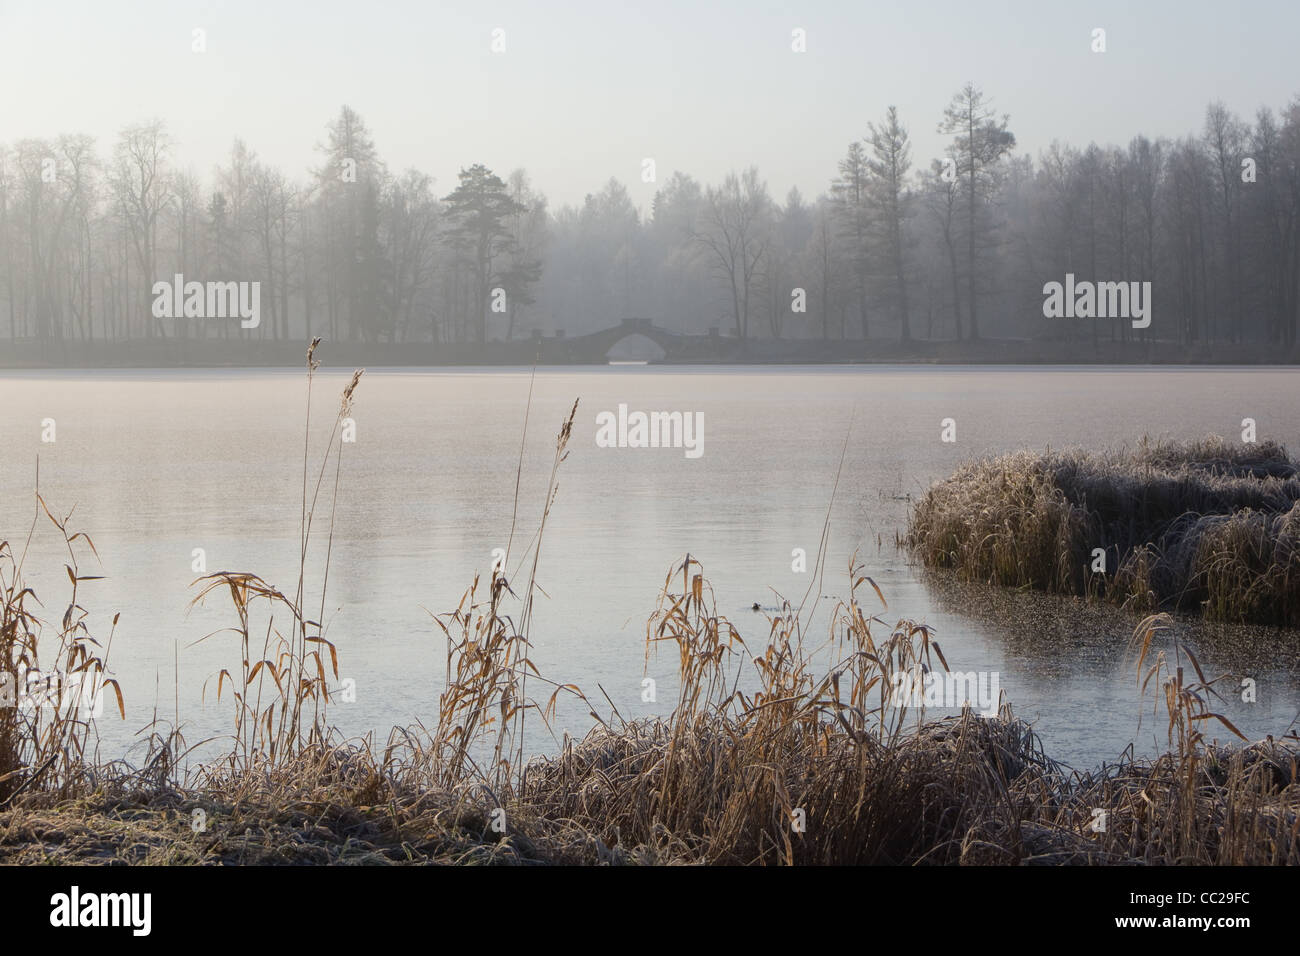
(158, 463)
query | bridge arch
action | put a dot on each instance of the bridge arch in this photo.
(636, 347)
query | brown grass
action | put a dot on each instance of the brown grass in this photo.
(1205, 527)
(46, 734)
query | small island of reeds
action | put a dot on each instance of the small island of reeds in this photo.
(1206, 527)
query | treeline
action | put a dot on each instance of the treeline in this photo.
(958, 247)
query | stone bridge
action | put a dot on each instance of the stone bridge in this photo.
(630, 335)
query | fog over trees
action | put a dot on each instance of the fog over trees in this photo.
(889, 246)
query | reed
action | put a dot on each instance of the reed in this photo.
(1204, 526)
(281, 689)
(47, 710)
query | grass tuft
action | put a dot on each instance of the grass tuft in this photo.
(1205, 526)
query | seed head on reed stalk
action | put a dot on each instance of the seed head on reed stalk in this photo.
(485, 696)
(291, 657)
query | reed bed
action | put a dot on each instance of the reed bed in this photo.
(806, 760)
(721, 780)
(1205, 527)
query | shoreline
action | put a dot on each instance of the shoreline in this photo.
(942, 795)
(559, 351)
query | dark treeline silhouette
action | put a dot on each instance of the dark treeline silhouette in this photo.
(958, 247)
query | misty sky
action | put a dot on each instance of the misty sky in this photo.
(585, 90)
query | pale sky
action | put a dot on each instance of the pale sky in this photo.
(586, 90)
